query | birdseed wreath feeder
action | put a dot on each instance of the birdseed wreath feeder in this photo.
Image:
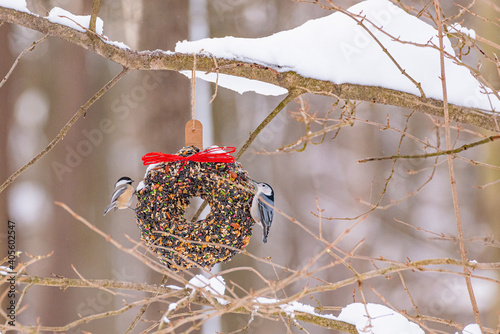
(170, 182)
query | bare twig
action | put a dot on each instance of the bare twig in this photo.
(131, 251)
(143, 310)
(96, 4)
(29, 49)
(451, 169)
(434, 154)
(158, 60)
(66, 128)
(291, 95)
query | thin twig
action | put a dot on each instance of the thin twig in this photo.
(451, 169)
(291, 95)
(387, 179)
(132, 251)
(31, 48)
(91, 318)
(408, 293)
(99, 283)
(66, 128)
(434, 154)
(216, 78)
(143, 310)
(158, 60)
(96, 5)
(193, 93)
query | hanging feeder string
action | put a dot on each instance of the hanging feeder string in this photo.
(212, 154)
(193, 91)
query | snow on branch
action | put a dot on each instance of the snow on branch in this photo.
(313, 77)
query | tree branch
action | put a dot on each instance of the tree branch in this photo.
(160, 60)
(29, 49)
(291, 95)
(66, 128)
(96, 5)
(65, 283)
(451, 170)
(201, 299)
(165, 292)
(434, 154)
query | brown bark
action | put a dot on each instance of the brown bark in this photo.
(158, 60)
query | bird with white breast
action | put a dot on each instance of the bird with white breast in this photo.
(262, 209)
(122, 196)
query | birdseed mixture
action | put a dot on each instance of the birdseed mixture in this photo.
(181, 244)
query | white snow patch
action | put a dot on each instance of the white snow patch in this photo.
(238, 84)
(264, 300)
(120, 45)
(140, 186)
(5, 271)
(471, 329)
(336, 48)
(172, 307)
(173, 287)
(291, 308)
(469, 32)
(81, 23)
(151, 167)
(216, 149)
(215, 286)
(19, 5)
(77, 22)
(379, 320)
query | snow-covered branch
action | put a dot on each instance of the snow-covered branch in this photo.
(289, 80)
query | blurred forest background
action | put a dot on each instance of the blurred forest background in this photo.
(147, 111)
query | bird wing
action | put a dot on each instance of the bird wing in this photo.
(118, 192)
(266, 211)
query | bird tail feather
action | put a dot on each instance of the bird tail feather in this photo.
(109, 207)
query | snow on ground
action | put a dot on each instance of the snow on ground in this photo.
(379, 320)
(335, 48)
(19, 5)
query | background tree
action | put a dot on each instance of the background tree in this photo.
(397, 209)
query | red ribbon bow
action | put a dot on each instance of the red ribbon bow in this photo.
(212, 154)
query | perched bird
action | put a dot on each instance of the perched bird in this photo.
(262, 210)
(122, 197)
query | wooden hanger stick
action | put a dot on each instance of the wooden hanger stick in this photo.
(194, 134)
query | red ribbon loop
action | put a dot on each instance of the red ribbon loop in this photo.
(212, 154)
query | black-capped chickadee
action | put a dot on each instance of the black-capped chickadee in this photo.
(122, 197)
(262, 210)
